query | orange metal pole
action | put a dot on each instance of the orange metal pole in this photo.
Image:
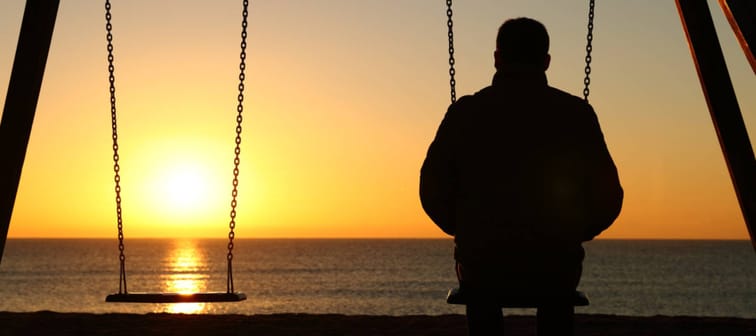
(723, 105)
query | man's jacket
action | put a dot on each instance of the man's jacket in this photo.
(519, 166)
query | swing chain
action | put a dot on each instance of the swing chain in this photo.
(237, 149)
(588, 49)
(452, 72)
(116, 166)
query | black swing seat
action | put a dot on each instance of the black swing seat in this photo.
(456, 296)
(176, 297)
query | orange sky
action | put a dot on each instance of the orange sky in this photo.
(343, 98)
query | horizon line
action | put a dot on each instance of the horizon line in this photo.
(359, 238)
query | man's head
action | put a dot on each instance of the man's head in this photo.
(522, 44)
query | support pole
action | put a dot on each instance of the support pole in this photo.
(723, 105)
(742, 17)
(21, 101)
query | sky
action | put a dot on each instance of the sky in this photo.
(342, 99)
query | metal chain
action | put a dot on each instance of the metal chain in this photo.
(116, 167)
(588, 49)
(237, 149)
(452, 72)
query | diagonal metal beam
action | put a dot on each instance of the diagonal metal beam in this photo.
(21, 101)
(723, 105)
(742, 17)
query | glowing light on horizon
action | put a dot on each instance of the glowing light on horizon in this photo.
(178, 191)
(184, 188)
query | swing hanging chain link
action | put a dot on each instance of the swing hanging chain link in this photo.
(116, 166)
(452, 72)
(237, 149)
(588, 49)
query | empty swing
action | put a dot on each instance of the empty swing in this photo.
(461, 297)
(123, 294)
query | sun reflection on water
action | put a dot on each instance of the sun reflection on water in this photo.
(185, 308)
(186, 272)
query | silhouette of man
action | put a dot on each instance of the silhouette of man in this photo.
(520, 175)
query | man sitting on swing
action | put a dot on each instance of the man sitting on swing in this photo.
(520, 175)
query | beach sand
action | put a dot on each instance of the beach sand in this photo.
(52, 323)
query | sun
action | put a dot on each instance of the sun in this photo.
(187, 189)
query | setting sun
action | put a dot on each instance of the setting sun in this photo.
(184, 189)
(169, 189)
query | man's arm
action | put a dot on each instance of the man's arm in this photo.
(437, 175)
(605, 199)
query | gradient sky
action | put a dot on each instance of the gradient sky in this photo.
(343, 98)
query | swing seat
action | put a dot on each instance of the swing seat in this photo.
(176, 297)
(456, 296)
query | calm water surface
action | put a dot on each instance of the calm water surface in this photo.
(363, 276)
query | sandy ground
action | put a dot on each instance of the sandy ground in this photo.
(51, 323)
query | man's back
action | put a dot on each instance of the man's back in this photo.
(531, 172)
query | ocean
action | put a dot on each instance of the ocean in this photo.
(362, 276)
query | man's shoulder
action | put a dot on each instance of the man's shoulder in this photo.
(545, 96)
(551, 92)
(565, 96)
(472, 100)
(484, 92)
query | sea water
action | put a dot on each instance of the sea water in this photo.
(361, 276)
